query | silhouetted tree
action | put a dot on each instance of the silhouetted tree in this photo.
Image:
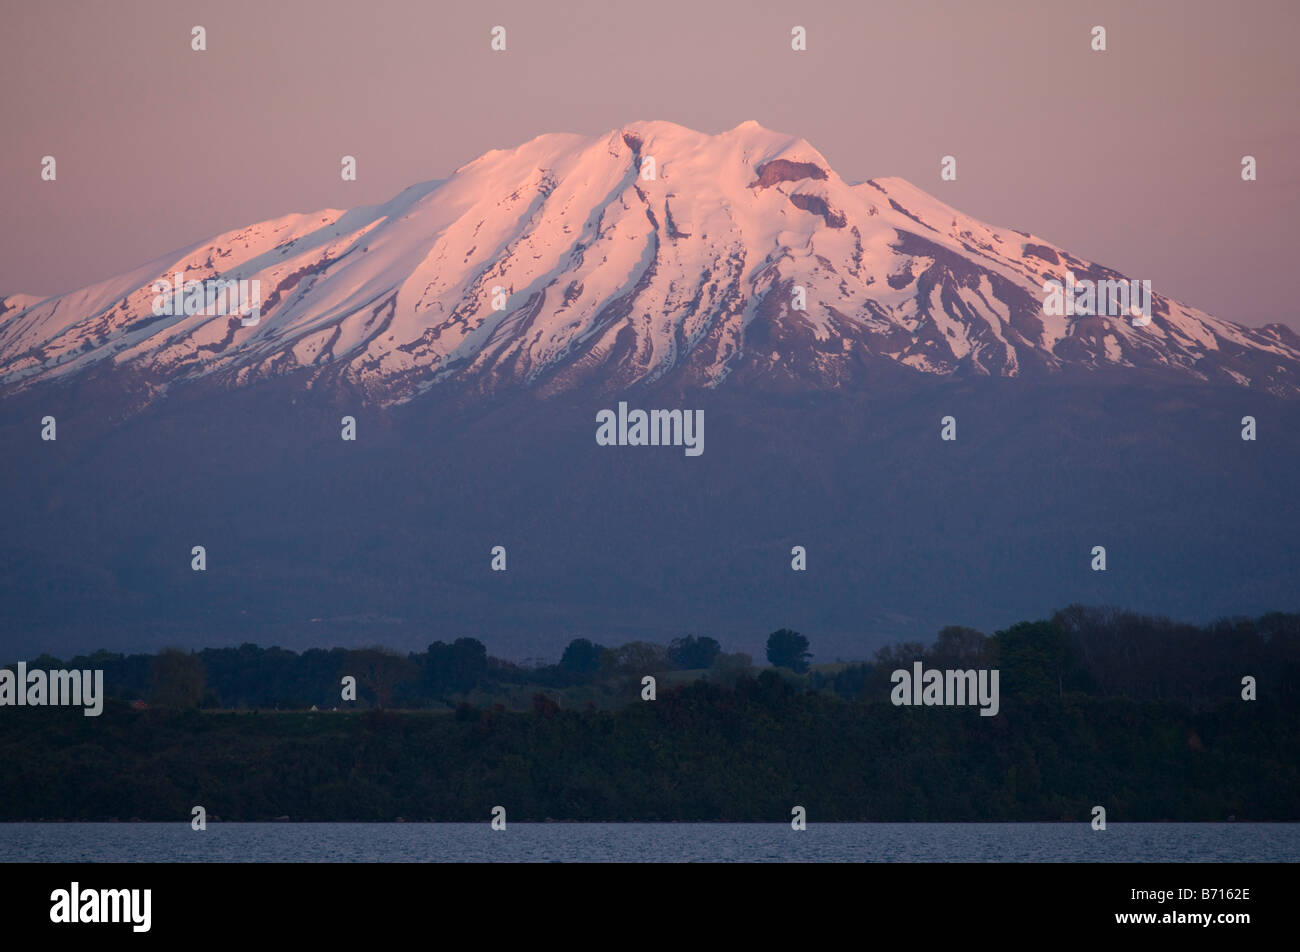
(692, 652)
(178, 678)
(636, 658)
(459, 666)
(788, 649)
(1032, 657)
(380, 670)
(581, 657)
(956, 647)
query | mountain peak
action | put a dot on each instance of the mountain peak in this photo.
(652, 251)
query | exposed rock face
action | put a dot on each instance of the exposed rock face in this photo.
(783, 170)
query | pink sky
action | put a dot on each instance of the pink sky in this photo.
(1129, 157)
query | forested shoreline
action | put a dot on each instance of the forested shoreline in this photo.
(1143, 716)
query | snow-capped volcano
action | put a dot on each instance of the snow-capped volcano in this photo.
(650, 251)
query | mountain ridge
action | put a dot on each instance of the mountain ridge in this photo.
(651, 252)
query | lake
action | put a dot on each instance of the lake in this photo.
(653, 842)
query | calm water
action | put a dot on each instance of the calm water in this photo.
(659, 842)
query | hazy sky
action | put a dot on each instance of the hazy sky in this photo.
(1129, 157)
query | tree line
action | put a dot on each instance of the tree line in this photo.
(1142, 715)
(1101, 652)
(701, 752)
